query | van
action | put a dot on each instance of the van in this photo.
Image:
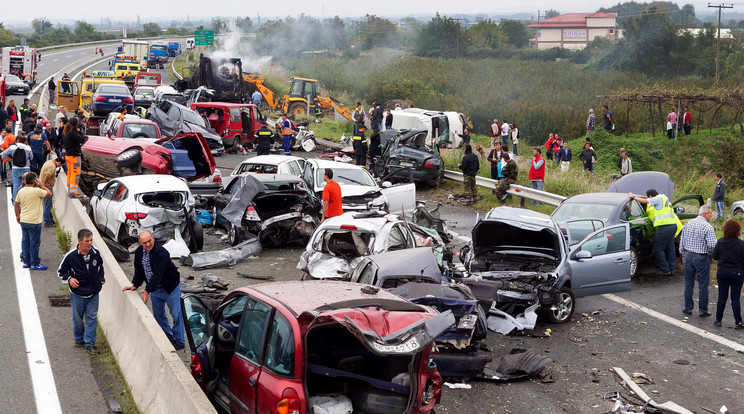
(442, 127)
(127, 70)
(189, 43)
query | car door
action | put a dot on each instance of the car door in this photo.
(308, 176)
(250, 353)
(100, 213)
(600, 263)
(200, 332)
(116, 209)
(401, 197)
(641, 227)
(222, 198)
(577, 230)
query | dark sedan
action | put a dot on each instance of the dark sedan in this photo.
(175, 119)
(15, 86)
(109, 97)
(404, 151)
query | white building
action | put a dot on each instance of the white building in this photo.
(574, 30)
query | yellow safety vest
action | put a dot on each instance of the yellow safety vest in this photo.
(665, 215)
(358, 138)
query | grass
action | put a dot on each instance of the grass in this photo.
(181, 66)
(109, 377)
(64, 238)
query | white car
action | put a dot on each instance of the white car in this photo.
(162, 204)
(737, 209)
(271, 164)
(359, 191)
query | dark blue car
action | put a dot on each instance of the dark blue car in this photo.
(109, 97)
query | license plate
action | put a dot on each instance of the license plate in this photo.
(115, 100)
(406, 164)
(410, 345)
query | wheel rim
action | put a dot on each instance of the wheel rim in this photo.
(564, 307)
(739, 212)
(232, 233)
(633, 262)
(298, 111)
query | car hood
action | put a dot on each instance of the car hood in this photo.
(512, 235)
(349, 190)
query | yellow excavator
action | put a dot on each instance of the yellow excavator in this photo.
(295, 103)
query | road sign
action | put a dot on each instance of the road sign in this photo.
(203, 37)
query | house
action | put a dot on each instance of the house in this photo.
(574, 30)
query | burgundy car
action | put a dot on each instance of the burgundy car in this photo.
(133, 128)
(285, 347)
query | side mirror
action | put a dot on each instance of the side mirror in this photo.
(387, 184)
(97, 193)
(582, 254)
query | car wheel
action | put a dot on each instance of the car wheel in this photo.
(739, 212)
(564, 309)
(198, 235)
(633, 262)
(129, 158)
(439, 179)
(298, 109)
(234, 234)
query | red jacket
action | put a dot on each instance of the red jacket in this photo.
(687, 119)
(537, 174)
(557, 145)
(549, 144)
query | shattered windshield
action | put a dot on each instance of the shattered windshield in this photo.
(573, 211)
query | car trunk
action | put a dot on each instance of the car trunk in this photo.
(191, 156)
(370, 355)
(285, 215)
(340, 252)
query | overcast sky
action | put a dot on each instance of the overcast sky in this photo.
(93, 10)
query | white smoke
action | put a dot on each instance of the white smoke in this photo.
(239, 45)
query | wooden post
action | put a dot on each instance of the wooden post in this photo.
(627, 119)
(700, 118)
(661, 114)
(651, 119)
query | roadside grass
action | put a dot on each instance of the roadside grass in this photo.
(110, 380)
(185, 64)
(64, 238)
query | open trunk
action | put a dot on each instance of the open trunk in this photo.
(191, 156)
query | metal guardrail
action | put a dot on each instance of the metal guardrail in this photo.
(99, 42)
(525, 193)
(173, 68)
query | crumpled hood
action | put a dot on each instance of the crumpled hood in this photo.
(348, 190)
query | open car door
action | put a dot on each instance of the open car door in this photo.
(400, 198)
(600, 263)
(200, 332)
(68, 95)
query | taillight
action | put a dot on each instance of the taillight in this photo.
(251, 214)
(348, 227)
(128, 100)
(135, 216)
(428, 164)
(217, 178)
(100, 98)
(290, 402)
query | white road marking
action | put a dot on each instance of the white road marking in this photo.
(55, 60)
(672, 321)
(45, 390)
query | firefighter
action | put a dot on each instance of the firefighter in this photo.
(316, 107)
(264, 137)
(287, 133)
(359, 141)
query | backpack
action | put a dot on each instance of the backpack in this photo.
(19, 157)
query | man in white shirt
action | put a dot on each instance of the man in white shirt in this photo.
(505, 128)
(61, 113)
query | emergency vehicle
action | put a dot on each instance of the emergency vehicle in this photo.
(20, 61)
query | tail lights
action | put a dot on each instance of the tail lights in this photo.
(428, 164)
(128, 100)
(100, 98)
(348, 227)
(135, 216)
(251, 214)
(290, 402)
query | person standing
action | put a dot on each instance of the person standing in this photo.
(38, 141)
(537, 171)
(696, 243)
(12, 113)
(24, 110)
(495, 132)
(626, 166)
(729, 252)
(20, 155)
(673, 118)
(609, 124)
(51, 86)
(376, 117)
(549, 147)
(358, 116)
(719, 194)
(359, 142)
(317, 111)
(469, 167)
(48, 177)
(153, 266)
(286, 126)
(565, 156)
(505, 134)
(29, 214)
(263, 139)
(515, 137)
(3, 117)
(510, 170)
(30, 123)
(591, 122)
(375, 148)
(72, 140)
(332, 201)
(465, 137)
(557, 144)
(54, 139)
(587, 156)
(666, 227)
(494, 157)
(82, 270)
(687, 120)
(256, 98)
(388, 120)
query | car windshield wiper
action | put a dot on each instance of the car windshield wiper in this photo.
(352, 180)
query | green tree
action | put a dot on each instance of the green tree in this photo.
(219, 25)
(441, 37)
(551, 13)
(151, 29)
(516, 32)
(41, 25)
(485, 39)
(7, 38)
(84, 31)
(378, 32)
(334, 34)
(245, 25)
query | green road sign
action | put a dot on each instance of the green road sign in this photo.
(203, 37)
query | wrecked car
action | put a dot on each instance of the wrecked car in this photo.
(271, 164)
(299, 345)
(236, 123)
(162, 204)
(414, 274)
(406, 150)
(175, 119)
(278, 208)
(519, 261)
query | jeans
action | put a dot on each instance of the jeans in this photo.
(697, 264)
(30, 241)
(505, 140)
(38, 160)
(388, 127)
(285, 144)
(538, 185)
(515, 148)
(3, 172)
(720, 210)
(664, 248)
(376, 125)
(48, 218)
(18, 179)
(88, 308)
(160, 298)
(734, 280)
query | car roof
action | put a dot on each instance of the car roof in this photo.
(270, 159)
(135, 120)
(274, 177)
(365, 223)
(221, 104)
(407, 262)
(599, 198)
(519, 214)
(153, 182)
(302, 296)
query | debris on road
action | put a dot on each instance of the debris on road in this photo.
(669, 406)
(212, 281)
(518, 363)
(257, 277)
(224, 257)
(459, 385)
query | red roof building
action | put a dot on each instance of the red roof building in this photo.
(574, 30)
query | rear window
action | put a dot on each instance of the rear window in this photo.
(346, 243)
(136, 68)
(149, 131)
(172, 200)
(113, 89)
(258, 168)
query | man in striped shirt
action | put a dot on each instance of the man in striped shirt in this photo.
(696, 243)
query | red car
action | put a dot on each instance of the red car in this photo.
(235, 123)
(133, 128)
(282, 347)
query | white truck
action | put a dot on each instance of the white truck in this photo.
(443, 127)
(137, 48)
(20, 61)
(189, 43)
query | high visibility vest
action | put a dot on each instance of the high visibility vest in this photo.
(358, 138)
(264, 133)
(663, 216)
(286, 130)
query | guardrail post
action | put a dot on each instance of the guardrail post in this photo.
(521, 202)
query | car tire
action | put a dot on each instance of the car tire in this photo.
(120, 253)
(633, 262)
(198, 235)
(564, 308)
(298, 109)
(234, 234)
(129, 158)
(738, 212)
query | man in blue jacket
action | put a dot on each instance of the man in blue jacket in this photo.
(82, 270)
(152, 265)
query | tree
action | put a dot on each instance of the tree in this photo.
(151, 29)
(84, 31)
(7, 38)
(334, 34)
(378, 32)
(219, 25)
(515, 32)
(245, 25)
(439, 38)
(551, 13)
(41, 25)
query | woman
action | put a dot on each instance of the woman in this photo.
(12, 113)
(515, 137)
(729, 252)
(72, 140)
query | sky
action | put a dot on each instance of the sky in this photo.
(152, 10)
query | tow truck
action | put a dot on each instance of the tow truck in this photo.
(73, 95)
(20, 61)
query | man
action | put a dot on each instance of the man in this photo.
(469, 167)
(51, 86)
(687, 121)
(495, 132)
(494, 157)
(286, 126)
(153, 266)
(54, 139)
(620, 159)
(626, 167)
(20, 155)
(609, 125)
(510, 172)
(505, 134)
(587, 156)
(263, 139)
(24, 110)
(375, 148)
(465, 137)
(48, 177)
(3, 116)
(256, 98)
(696, 243)
(719, 194)
(502, 163)
(61, 113)
(376, 117)
(316, 108)
(557, 144)
(358, 116)
(549, 146)
(38, 141)
(332, 200)
(565, 155)
(666, 227)
(359, 143)
(30, 122)
(28, 212)
(537, 171)
(591, 122)
(82, 270)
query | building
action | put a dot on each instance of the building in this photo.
(574, 30)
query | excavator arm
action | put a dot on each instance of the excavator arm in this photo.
(258, 81)
(328, 104)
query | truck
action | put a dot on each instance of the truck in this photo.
(222, 77)
(73, 95)
(190, 43)
(158, 55)
(20, 61)
(174, 49)
(137, 48)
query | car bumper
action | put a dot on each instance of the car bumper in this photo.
(102, 108)
(16, 91)
(207, 190)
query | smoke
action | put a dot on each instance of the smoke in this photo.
(239, 45)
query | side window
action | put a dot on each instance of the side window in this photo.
(397, 239)
(234, 114)
(250, 344)
(229, 321)
(368, 274)
(625, 213)
(174, 113)
(294, 168)
(280, 347)
(120, 194)
(109, 192)
(636, 210)
(608, 241)
(308, 177)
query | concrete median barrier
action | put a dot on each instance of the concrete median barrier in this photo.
(159, 380)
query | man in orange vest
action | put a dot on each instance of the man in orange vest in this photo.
(286, 126)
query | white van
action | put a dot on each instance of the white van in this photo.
(443, 127)
(189, 43)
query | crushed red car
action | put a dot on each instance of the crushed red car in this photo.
(236, 123)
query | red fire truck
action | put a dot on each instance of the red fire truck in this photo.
(20, 61)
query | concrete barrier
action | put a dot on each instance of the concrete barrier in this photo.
(159, 380)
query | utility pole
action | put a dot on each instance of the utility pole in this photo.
(457, 46)
(538, 15)
(718, 43)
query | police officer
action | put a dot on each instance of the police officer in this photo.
(359, 141)
(263, 138)
(666, 227)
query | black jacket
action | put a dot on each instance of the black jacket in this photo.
(729, 252)
(377, 114)
(89, 274)
(28, 125)
(470, 164)
(3, 117)
(389, 120)
(720, 192)
(374, 145)
(53, 138)
(164, 272)
(264, 137)
(72, 143)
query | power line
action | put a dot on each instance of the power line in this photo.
(720, 7)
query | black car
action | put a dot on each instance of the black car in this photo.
(276, 208)
(404, 153)
(15, 86)
(176, 119)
